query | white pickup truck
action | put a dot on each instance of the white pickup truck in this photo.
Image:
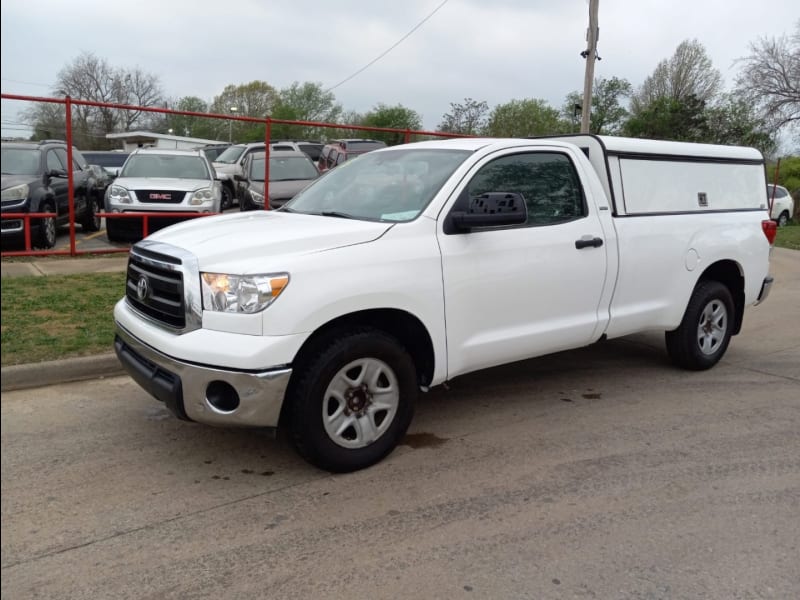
(418, 263)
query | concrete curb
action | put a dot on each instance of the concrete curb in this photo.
(21, 377)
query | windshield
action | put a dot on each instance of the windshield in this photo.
(290, 168)
(394, 185)
(230, 155)
(165, 165)
(20, 161)
(106, 159)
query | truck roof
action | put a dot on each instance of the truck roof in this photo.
(618, 145)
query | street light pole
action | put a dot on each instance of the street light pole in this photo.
(230, 125)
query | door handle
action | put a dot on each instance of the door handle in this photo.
(588, 241)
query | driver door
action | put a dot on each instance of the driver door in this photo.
(525, 290)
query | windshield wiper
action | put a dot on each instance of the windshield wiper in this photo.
(333, 213)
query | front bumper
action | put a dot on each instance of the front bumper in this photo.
(205, 393)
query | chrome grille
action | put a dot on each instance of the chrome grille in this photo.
(155, 288)
(160, 196)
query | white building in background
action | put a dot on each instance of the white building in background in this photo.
(147, 139)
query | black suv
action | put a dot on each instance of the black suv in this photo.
(35, 180)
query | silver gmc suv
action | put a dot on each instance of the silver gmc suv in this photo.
(159, 180)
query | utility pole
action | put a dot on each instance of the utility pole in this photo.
(590, 55)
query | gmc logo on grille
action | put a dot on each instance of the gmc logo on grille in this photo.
(160, 196)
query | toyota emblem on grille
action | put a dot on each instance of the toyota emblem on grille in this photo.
(142, 288)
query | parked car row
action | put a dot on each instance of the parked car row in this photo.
(205, 180)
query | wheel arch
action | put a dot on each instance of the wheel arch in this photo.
(730, 274)
(400, 324)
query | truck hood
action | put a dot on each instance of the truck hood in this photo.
(232, 242)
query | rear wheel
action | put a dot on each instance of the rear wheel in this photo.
(46, 235)
(705, 331)
(91, 222)
(783, 219)
(353, 401)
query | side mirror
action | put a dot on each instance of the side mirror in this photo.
(492, 209)
(59, 173)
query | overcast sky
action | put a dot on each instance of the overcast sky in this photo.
(493, 50)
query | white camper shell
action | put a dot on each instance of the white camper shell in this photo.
(650, 177)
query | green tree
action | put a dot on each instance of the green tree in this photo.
(304, 102)
(608, 114)
(670, 119)
(528, 117)
(468, 118)
(396, 117)
(255, 99)
(733, 121)
(349, 117)
(191, 126)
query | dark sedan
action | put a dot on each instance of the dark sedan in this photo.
(289, 172)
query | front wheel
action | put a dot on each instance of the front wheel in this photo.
(46, 236)
(705, 331)
(353, 401)
(227, 198)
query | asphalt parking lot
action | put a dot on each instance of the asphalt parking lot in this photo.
(596, 473)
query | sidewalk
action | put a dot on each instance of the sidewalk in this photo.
(63, 266)
(18, 377)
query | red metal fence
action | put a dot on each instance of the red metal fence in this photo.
(68, 103)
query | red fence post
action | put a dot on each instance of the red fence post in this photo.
(27, 222)
(267, 137)
(407, 138)
(70, 179)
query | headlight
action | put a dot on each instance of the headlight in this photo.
(241, 293)
(18, 192)
(203, 196)
(120, 194)
(256, 196)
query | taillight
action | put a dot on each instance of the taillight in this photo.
(770, 229)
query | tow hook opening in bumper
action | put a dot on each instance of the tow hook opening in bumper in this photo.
(766, 286)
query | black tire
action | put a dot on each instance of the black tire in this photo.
(245, 204)
(783, 219)
(90, 221)
(46, 233)
(705, 331)
(315, 407)
(227, 198)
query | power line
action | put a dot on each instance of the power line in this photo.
(392, 47)
(26, 82)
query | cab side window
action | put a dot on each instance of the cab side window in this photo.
(547, 180)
